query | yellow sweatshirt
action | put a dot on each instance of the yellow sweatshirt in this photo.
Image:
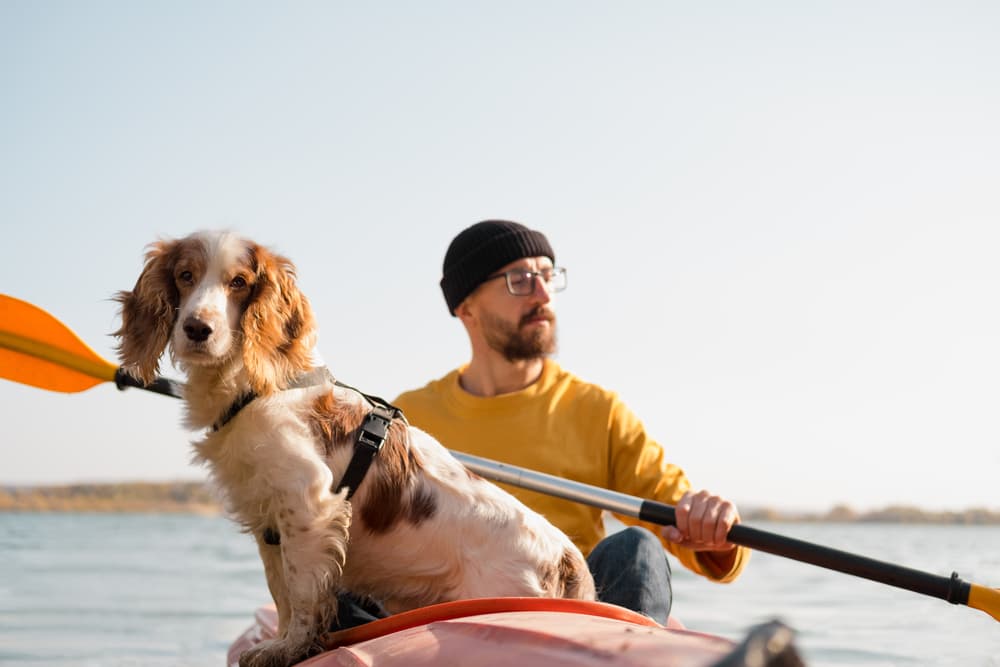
(566, 427)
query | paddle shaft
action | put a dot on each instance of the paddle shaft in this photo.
(160, 385)
(952, 589)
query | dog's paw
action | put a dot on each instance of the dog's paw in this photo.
(278, 653)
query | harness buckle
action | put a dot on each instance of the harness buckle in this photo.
(374, 430)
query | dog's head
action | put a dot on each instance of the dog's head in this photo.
(217, 300)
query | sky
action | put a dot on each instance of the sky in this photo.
(780, 220)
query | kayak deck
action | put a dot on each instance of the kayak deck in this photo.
(505, 631)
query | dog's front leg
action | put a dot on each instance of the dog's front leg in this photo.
(270, 555)
(313, 551)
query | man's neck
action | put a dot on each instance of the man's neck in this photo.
(488, 377)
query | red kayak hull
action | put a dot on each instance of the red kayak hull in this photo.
(507, 631)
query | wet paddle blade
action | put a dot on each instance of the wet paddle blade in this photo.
(38, 350)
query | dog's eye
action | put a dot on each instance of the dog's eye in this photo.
(185, 277)
(239, 282)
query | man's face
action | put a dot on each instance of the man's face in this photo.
(518, 327)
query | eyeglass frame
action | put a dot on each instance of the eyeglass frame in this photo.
(533, 277)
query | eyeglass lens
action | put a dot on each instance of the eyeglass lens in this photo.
(522, 283)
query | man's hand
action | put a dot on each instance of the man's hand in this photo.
(703, 521)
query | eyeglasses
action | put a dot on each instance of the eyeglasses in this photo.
(521, 282)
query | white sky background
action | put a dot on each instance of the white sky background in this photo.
(780, 219)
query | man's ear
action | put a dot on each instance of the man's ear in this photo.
(464, 310)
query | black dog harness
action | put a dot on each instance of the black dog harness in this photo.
(315, 377)
(371, 435)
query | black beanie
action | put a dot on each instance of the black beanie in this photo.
(483, 248)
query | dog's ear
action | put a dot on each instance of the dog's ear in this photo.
(278, 325)
(148, 313)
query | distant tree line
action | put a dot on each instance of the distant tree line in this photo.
(978, 516)
(189, 497)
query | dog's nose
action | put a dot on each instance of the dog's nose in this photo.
(197, 330)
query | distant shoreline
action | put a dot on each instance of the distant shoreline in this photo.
(975, 516)
(125, 497)
(194, 497)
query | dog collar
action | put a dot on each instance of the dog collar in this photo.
(311, 378)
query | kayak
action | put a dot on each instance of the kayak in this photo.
(504, 631)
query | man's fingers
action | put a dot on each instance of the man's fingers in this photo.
(728, 516)
(698, 520)
(703, 521)
(681, 511)
(672, 534)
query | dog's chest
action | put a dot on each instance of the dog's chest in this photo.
(257, 458)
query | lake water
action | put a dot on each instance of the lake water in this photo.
(158, 590)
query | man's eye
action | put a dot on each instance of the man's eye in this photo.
(519, 278)
(239, 282)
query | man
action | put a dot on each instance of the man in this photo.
(512, 403)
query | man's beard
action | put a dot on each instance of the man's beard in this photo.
(518, 345)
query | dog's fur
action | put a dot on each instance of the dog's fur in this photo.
(420, 529)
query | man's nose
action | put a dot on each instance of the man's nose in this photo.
(543, 290)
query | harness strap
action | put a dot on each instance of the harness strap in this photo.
(311, 378)
(371, 437)
(234, 409)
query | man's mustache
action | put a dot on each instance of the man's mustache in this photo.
(538, 312)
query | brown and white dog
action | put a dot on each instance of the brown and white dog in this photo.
(420, 528)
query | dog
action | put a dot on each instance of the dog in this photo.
(279, 436)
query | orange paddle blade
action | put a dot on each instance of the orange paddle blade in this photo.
(38, 350)
(985, 599)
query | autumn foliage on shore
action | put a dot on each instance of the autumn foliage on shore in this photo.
(182, 497)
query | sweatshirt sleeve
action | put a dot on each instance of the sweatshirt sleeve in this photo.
(638, 467)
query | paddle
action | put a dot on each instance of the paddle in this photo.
(39, 350)
(952, 589)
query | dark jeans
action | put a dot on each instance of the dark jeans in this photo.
(631, 570)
